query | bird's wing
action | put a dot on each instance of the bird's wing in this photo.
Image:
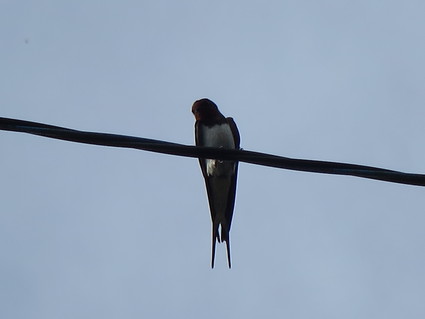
(198, 141)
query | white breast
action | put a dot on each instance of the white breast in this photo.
(219, 136)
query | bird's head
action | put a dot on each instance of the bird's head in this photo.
(206, 110)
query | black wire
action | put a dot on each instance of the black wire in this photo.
(257, 158)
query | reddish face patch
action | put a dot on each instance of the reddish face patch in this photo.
(205, 109)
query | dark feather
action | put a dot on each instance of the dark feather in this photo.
(210, 182)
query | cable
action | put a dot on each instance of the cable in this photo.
(257, 158)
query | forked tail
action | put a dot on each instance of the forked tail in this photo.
(224, 237)
(215, 237)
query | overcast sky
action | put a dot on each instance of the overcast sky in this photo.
(97, 232)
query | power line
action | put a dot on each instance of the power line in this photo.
(257, 158)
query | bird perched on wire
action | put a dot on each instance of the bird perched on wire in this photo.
(212, 129)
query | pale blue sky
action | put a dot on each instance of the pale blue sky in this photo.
(96, 232)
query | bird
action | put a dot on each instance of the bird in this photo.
(212, 129)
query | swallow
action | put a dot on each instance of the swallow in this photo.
(212, 129)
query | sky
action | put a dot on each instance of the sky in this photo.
(97, 232)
